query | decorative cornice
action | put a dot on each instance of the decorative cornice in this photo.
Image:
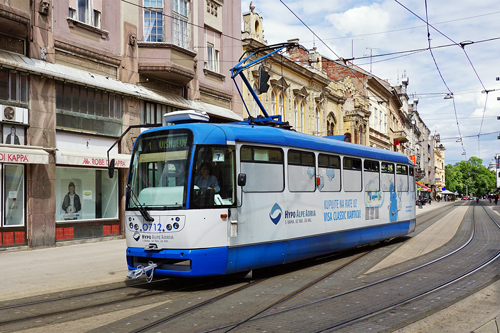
(208, 72)
(166, 69)
(166, 46)
(19, 16)
(94, 54)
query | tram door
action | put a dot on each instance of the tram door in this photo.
(260, 195)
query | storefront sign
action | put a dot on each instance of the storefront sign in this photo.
(70, 157)
(23, 156)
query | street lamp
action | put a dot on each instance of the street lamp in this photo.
(449, 96)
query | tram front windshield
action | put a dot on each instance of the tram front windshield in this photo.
(159, 174)
(160, 169)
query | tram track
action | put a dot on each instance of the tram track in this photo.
(272, 307)
(342, 323)
(267, 311)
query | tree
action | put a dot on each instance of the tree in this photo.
(470, 177)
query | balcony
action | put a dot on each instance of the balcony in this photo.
(166, 61)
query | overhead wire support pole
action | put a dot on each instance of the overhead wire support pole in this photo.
(241, 66)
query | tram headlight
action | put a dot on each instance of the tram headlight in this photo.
(176, 225)
(131, 225)
(136, 227)
(169, 227)
(177, 218)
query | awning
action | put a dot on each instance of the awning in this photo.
(25, 155)
(91, 159)
(422, 187)
(78, 76)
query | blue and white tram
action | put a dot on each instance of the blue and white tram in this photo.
(282, 196)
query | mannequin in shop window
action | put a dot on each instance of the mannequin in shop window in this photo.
(71, 202)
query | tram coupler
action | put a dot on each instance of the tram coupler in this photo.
(136, 273)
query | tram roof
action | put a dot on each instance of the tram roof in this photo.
(209, 133)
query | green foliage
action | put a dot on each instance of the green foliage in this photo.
(470, 176)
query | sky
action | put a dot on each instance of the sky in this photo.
(359, 28)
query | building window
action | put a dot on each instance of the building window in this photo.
(212, 58)
(255, 106)
(152, 113)
(86, 13)
(281, 106)
(317, 120)
(88, 109)
(13, 86)
(97, 19)
(180, 29)
(273, 102)
(85, 194)
(296, 115)
(153, 21)
(83, 11)
(302, 117)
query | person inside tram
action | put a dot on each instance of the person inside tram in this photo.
(205, 179)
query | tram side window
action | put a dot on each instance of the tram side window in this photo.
(402, 178)
(412, 178)
(372, 176)
(352, 175)
(329, 173)
(264, 168)
(388, 184)
(301, 171)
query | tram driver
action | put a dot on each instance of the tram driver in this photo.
(205, 179)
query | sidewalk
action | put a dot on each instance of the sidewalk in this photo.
(36, 272)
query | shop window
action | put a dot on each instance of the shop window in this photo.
(13, 179)
(89, 109)
(85, 194)
(153, 21)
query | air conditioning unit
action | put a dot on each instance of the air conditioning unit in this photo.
(14, 114)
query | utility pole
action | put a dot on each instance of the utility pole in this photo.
(371, 54)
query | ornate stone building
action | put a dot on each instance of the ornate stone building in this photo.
(300, 92)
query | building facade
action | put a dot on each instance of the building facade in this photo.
(74, 75)
(299, 91)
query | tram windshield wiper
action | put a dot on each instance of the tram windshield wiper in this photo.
(142, 210)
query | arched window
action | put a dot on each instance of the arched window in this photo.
(295, 115)
(255, 106)
(302, 117)
(355, 136)
(317, 120)
(281, 106)
(347, 137)
(273, 103)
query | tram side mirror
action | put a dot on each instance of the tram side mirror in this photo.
(111, 168)
(242, 179)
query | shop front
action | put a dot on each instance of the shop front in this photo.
(87, 200)
(14, 162)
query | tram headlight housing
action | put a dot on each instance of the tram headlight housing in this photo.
(176, 225)
(169, 227)
(136, 227)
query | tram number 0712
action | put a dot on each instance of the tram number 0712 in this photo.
(152, 227)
